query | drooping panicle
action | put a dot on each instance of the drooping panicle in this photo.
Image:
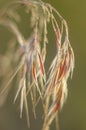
(30, 56)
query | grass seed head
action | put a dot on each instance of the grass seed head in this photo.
(30, 55)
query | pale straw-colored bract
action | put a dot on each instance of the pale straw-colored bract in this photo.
(30, 56)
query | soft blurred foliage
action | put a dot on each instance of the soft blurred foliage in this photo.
(73, 114)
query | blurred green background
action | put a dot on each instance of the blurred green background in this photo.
(73, 114)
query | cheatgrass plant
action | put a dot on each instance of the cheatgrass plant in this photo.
(29, 55)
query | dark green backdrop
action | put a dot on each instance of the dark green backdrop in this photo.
(73, 114)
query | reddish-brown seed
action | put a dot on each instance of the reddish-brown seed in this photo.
(34, 71)
(41, 64)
